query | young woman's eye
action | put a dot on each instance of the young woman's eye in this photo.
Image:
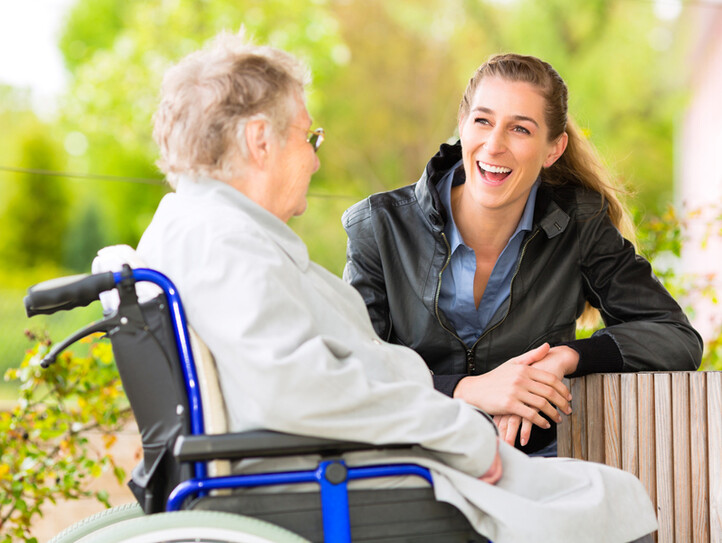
(521, 130)
(481, 120)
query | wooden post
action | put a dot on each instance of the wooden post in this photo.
(595, 418)
(630, 425)
(647, 458)
(579, 420)
(700, 459)
(681, 457)
(714, 427)
(612, 420)
(664, 463)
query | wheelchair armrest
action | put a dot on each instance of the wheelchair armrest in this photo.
(263, 443)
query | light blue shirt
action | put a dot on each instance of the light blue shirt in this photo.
(456, 298)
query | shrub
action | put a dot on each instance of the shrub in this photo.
(45, 454)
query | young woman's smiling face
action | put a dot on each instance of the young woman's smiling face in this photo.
(505, 143)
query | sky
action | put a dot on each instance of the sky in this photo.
(29, 57)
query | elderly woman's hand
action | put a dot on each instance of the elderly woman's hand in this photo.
(494, 473)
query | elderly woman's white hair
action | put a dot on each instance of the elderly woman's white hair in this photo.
(210, 95)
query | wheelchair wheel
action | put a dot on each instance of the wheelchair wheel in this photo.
(97, 521)
(193, 526)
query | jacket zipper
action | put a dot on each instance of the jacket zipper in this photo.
(469, 352)
(470, 360)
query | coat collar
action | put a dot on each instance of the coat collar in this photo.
(279, 232)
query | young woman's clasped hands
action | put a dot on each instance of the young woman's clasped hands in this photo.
(517, 392)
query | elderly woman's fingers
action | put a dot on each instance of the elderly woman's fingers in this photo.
(512, 429)
(525, 432)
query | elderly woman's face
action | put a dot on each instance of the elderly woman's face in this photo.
(296, 162)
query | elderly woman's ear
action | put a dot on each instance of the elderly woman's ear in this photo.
(258, 140)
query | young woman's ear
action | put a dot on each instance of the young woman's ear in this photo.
(557, 150)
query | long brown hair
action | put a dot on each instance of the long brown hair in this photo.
(580, 163)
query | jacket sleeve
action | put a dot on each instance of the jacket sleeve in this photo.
(364, 269)
(646, 330)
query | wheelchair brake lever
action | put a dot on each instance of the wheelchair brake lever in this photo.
(104, 325)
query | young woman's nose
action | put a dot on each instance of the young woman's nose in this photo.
(495, 141)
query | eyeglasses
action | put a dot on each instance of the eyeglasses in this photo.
(315, 138)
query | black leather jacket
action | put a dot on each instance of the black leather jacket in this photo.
(397, 250)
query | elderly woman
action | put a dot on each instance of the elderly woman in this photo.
(295, 349)
(497, 250)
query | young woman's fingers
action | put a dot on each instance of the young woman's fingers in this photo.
(529, 357)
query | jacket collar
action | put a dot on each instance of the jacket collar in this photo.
(548, 215)
(426, 193)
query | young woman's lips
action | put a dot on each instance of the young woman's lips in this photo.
(492, 174)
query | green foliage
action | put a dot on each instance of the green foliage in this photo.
(662, 239)
(45, 453)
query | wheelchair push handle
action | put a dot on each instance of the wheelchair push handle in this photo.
(66, 293)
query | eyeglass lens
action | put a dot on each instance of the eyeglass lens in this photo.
(315, 138)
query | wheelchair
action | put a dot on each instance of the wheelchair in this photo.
(184, 485)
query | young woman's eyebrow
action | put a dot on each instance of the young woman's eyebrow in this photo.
(488, 111)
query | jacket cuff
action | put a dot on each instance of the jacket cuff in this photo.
(447, 383)
(597, 354)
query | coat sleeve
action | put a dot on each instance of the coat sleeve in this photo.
(280, 369)
(364, 269)
(644, 324)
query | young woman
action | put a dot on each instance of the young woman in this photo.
(485, 264)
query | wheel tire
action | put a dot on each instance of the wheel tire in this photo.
(97, 521)
(195, 526)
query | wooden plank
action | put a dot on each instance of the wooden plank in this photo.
(664, 466)
(612, 420)
(630, 443)
(595, 418)
(647, 458)
(564, 430)
(699, 457)
(714, 430)
(681, 455)
(579, 420)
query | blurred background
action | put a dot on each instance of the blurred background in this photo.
(79, 82)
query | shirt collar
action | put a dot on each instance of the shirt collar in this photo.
(452, 232)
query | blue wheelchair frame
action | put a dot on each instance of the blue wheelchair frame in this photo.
(332, 476)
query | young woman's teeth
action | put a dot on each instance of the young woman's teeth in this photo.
(493, 169)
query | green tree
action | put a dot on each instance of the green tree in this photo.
(35, 219)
